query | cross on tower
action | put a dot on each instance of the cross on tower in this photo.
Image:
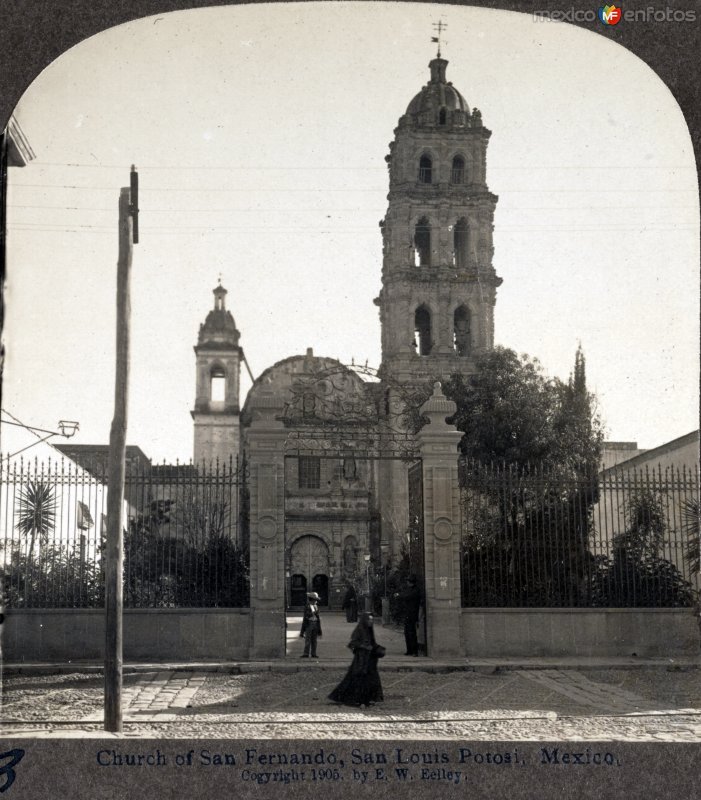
(439, 27)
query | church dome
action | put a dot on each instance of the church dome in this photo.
(438, 93)
(219, 328)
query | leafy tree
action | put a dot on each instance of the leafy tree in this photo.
(531, 448)
(180, 554)
(512, 413)
(58, 579)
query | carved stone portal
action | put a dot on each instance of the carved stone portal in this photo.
(309, 556)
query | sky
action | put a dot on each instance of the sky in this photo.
(260, 132)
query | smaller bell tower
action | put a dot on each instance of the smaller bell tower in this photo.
(218, 363)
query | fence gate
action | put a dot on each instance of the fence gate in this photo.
(416, 542)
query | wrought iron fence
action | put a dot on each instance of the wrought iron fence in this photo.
(542, 538)
(185, 535)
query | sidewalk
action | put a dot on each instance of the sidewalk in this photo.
(601, 704)
(532, 699)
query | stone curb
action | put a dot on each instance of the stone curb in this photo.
(485, 666)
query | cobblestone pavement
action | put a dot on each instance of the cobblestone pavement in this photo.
(535, 704)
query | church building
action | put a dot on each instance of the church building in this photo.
(346, 495)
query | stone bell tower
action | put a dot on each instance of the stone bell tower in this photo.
(218, 361)
(438, 282)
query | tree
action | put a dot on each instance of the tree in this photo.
(692, 527)
(578, 429)
(36, 512)
(531, 449)
(512, 413)
(638, 575)
(181, 553)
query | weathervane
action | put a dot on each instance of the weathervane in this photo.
(439, 27)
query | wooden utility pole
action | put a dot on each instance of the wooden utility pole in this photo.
(128, 234)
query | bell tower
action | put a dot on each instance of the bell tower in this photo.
(438, 282)
(218, 363)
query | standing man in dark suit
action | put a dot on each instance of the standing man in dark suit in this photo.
(411, 603)
(311, 625)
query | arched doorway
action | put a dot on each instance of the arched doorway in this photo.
(309, 567)
(298, 590)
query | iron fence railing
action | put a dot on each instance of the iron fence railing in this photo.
(537, 537)
(185, 535)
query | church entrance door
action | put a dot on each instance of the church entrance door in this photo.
(309, 567)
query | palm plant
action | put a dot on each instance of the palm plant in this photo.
(692, 527)
(36, 512)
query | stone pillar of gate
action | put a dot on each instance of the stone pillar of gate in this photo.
(266, 462)
(438, 443)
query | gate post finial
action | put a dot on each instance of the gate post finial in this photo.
(438, 406)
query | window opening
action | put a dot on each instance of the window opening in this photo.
(442, 116)
(309, 472)
(457, 173)
(422, 243)
(217, 388)
(425, 169)
(460, 243)
(422, 331)
(461, 331)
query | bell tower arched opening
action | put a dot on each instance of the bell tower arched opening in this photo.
(425, 169)
(217, 385)
(461, 242)
(422, 243)
(457, 172)
(461, 331)
(422, 331)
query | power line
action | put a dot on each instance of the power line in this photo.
(323, 191)
(191, 231)
(204, 191)
(378, 209)
(315, 167)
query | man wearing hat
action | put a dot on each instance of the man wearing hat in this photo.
(311, 625)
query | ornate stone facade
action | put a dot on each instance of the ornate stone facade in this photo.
(314, 428)
(329, 493)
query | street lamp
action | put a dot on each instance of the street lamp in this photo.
(65, 427)
(68, 428)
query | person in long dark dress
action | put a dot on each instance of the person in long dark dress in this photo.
(350, 604)
(361, 684)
